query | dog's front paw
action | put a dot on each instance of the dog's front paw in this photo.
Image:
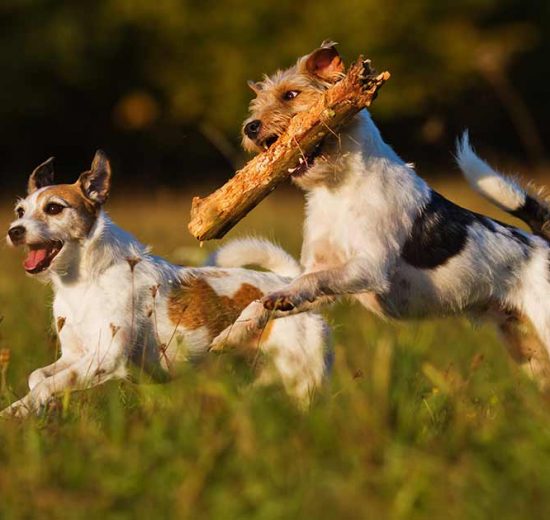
(17, 410)
(283, 301)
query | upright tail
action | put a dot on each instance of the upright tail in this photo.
(259, 252)
(502, 190)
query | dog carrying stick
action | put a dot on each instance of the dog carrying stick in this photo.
(212, 217)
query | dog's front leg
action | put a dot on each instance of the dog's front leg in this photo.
(41, 374)
(355, 276)
(87, 372)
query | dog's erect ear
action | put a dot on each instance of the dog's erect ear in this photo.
(41, 176)
(255, 86)
(96, 183)
(324, 62)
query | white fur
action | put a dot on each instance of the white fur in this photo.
(261, 252)
(502, 191)
(115, 316)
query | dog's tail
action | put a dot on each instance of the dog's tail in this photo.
(501, 190)
(259, 252)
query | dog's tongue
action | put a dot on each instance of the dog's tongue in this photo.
(35, 258)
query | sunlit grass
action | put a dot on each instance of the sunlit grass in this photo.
(420, 420)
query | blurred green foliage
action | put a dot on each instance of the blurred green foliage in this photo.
(162, 85)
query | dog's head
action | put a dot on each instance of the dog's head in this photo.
(286, 93)
(54, 220)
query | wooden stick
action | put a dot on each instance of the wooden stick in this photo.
(212, 217)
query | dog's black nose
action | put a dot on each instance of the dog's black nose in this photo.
(16, 233)
(252, 129)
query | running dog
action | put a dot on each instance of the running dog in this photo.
(375, 231)
(115, 304)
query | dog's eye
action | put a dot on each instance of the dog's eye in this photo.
(290, 94)
(53, 208)
(19, 212)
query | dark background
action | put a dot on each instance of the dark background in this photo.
(161, 85)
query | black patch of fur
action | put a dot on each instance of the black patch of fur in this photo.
(536, 215)
(440, 232)
(520, 236)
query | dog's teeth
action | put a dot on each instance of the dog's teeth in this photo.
(292, 170)
(301, 161)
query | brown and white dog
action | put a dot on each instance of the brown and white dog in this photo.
(375, 231)
(115, 303)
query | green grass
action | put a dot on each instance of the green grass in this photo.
(421, 420)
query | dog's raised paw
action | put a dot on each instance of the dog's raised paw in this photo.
(278, 302)
(15, 411)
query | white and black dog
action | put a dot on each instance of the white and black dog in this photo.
(376, 231)
(116, 305)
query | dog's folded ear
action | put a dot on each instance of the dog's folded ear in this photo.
(41, 176)
(96, 183)
(324, 63)
(255, 86)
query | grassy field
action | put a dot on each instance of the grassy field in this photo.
(423, 420)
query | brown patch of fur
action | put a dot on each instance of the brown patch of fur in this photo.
(196, 304)
(73, 196)
(60, 323)
(73, 378)
(266, 332)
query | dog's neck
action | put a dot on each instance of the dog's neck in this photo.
(358, 151)
(369, 141)
(106, 245)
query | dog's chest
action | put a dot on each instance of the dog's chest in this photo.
(85, 310)
(326, 235)
(342, 225)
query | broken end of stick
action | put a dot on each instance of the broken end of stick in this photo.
(196, 224)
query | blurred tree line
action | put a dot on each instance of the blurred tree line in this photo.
(161, 85)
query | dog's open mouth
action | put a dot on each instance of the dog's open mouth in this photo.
(40, 256)
(306, 162)
(269, 141)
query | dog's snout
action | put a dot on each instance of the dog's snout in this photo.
(252, 129)
(16, 233)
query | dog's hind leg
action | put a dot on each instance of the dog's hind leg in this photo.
(526, 349)
(299, 352)
(533, 296)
